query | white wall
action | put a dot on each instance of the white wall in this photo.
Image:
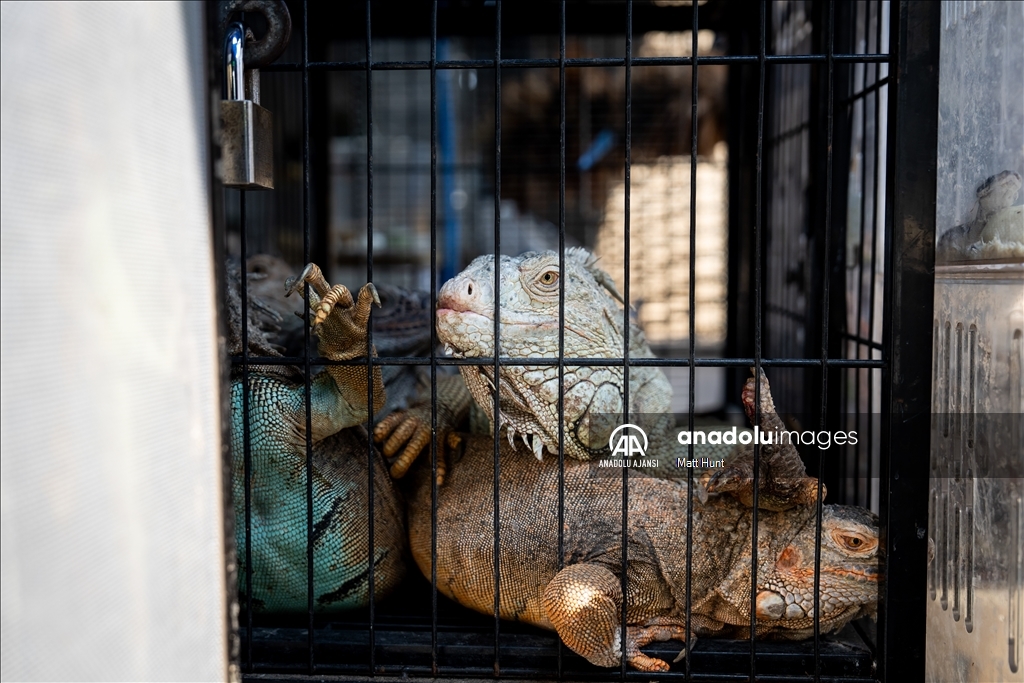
(112, 541)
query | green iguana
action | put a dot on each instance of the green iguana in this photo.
(277, 437)
(593, 395)
(529, 394)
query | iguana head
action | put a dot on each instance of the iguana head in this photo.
(529, 286)
(849, 570)
(529, 304)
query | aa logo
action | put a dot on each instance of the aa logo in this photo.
(628, 442)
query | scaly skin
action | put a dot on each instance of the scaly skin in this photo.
(277, 424)
(529, 328)
(782, 478)
(401, 327)
(529, 395)
(583, 602)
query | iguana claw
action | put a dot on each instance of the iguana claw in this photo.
(327, 297)
(338, 294)
(660, 630)
(410, 429)
(361, 314)
(311, 274)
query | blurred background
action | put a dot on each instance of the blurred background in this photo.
(595, 134)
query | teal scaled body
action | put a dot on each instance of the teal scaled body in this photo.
(279, 524)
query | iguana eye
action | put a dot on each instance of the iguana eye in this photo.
(549, 277)
(854, 541)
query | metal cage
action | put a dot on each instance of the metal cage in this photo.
(830, 121)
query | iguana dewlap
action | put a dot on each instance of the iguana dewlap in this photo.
(582, 601)
(341, 462)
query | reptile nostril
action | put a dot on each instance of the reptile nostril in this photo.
(470, 289)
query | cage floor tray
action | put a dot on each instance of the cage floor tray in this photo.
(465, 649)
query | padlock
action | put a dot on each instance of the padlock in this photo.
(247, 135)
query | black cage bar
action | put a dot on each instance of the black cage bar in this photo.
(830, 124)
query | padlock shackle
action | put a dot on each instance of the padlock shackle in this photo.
(279, 28)
(234, 62)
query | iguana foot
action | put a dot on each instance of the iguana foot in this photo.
(411, 428)
(584, 603)
(402, 427)
(337, 294)
(326, 297)
(776, 493)
(656, 631)
(782, 480)
(341, 323)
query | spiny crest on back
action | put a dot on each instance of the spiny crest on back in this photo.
(589, 263)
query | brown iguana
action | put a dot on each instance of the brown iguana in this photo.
(583, 600)
(277, 437)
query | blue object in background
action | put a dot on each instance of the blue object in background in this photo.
(601, 145)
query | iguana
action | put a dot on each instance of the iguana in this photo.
(529, 328)
(579, 595)
(277, 437)
(582, 601)
(593, 394)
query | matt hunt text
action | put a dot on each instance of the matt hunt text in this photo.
(700, 463)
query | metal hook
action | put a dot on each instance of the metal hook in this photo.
(260, 53)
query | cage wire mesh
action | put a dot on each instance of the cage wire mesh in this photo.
(728, 166)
